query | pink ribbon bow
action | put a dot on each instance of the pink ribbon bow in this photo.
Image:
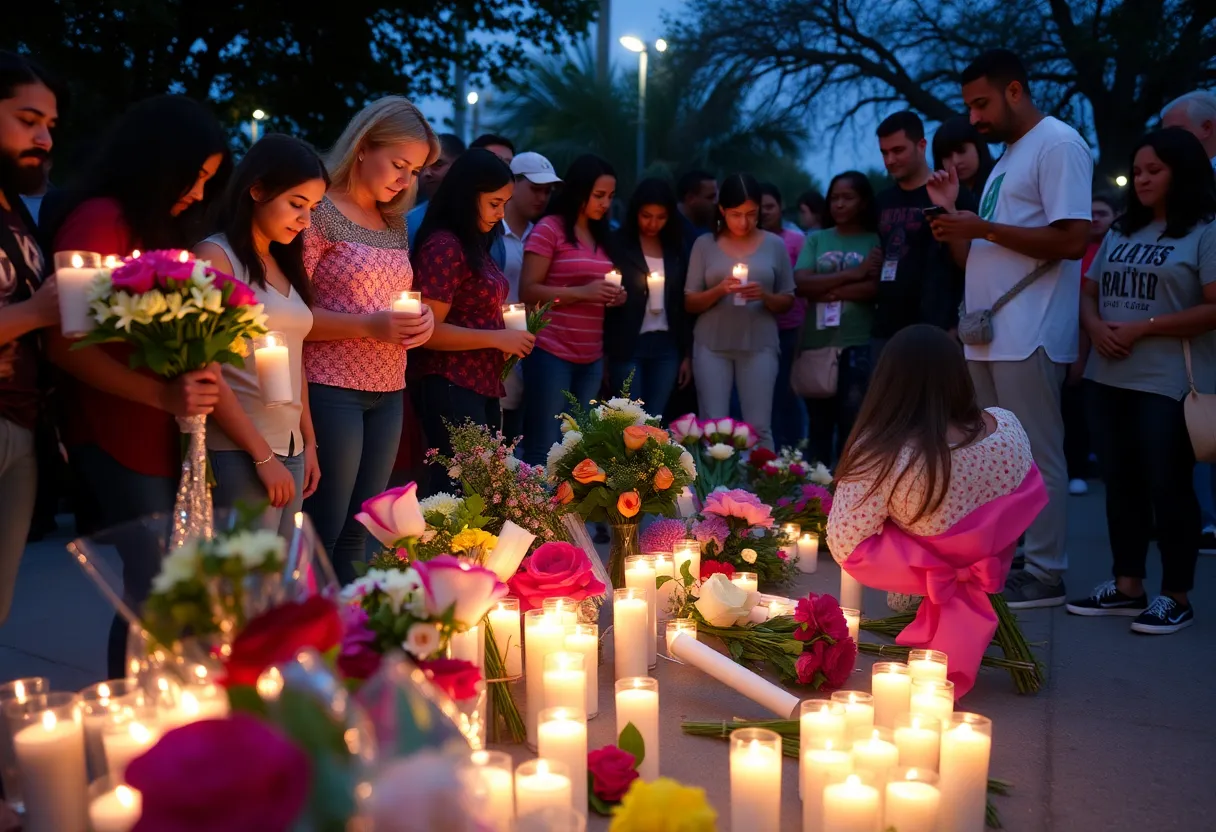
(984, 576)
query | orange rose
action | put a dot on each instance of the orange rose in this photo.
(565, 494)
(635, 437)
(663, 478)
(628, 503)
(587, 472)
(658, 434)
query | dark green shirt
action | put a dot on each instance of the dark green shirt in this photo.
(827, 252)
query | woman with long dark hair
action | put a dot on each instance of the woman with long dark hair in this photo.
(1148, 299)
(739, 280)
(837, 271)
(958, 145)
(649, 337)
(147, 187)
(461, 366)
(566, 260)
(262, 452)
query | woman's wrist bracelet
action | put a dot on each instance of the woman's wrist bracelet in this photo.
(264, 461)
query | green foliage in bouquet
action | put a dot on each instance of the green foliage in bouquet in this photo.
(538, 319)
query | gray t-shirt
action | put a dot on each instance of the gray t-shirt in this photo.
(1145, 275)
(727, 327)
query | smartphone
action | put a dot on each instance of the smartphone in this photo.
(933, 211)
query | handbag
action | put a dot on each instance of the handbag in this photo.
(815, 373)
(975, 328)
(1199, 410)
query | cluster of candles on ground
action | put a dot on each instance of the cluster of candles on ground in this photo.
(65, 755)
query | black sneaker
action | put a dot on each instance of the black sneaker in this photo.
(1107, 600)
(1023, 591)
(1164, 616)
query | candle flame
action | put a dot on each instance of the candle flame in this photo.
(77, 261)
(270, 683)
(134, 253)
(48, 720)
(542, 767)
(912, 774)
(827, 745)
(916, 722)
(853, 780)
(852, 699)
(163, 684)
(874, 737)
(19, 691)
(200, 671)
(139, 732)
(125, 795)
(103, 691)
(480, 758)
(111, 262)
(184, 256)
(964, 728)
(190, 703)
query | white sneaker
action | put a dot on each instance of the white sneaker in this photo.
(1078, 487)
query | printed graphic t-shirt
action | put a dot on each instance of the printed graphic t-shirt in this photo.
(19, 394)
(1142, 276)
(827, 252)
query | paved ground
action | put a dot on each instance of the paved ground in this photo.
(1122, 738)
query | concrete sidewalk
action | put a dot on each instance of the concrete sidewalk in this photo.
(1122, 737)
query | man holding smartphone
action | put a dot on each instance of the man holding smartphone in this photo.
(919, 279)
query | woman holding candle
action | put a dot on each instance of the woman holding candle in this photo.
(258, 452)
(735, 343)
(355, 354)
(650, 335)
(836, 270)
(461, 366)
(146, 187)
(565, 260)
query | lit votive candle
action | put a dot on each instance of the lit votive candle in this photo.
(126, 737)
(20, 691)
(677, 626)
(664, 568)
(850, 592)
(918, 738)
(933, 698)
(113, 809)
(821, 764)
(98, 704)
(808, 553)
(614, 277)
(858, 709)
(562, 736)
(272, 360)
(630, 625)
(408, 302)
(739, 273)
(515, 316)
(851, 805)
(540, 784)
(852, 618)
(637, 701)
(912, 800)
(74, 273)
(469, 646)
(891, 683)
(874, 752)
(495, 785)
(790, 533)
(195, 703)
(747, 581)
(545, 634)
(48, 740)
(640, 574)
(504, 621)
(963, 776)
(656, 284)
(927, 664)
(686, 551)
(566, 609)
(585, 639)
(565, 682)
(755, 779)
(820, 722)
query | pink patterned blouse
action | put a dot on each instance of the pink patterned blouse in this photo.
(979, 473)
(355, 270)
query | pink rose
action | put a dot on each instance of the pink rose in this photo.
(686, 430)
(741, 504)
(612, 772)
(455, 677)
(393, 515)
(806, 666)
(240, 294)
(555, 570)
(453, 584)
(836, 661)
(134, 277)
(819, 615)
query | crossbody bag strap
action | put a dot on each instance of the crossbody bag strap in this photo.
(1186, 356)
(1039, 271)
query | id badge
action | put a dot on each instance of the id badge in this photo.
(889, 268)
(831, 314)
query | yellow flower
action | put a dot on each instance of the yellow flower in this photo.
(470, 540)
(663, 806)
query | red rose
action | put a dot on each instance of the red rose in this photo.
(798, 470)
(836, 661)
(771, 470)
(713, 567)
(807, 666)
(820, 615)
(277, 635)
(760, 457)
(455, 677)
(554, 570)
(612, 771)
(221, 775)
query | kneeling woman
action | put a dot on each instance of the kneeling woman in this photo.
(932, 495)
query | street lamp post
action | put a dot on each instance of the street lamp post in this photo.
(635, 44)
(258, 115)
(473, 98)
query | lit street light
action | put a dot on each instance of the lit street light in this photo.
(636, 44)
(473, 98)
(258, 115)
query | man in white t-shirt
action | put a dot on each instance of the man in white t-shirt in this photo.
(1035, 210)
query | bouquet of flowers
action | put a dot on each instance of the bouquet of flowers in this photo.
(613, 464)
(716, 445)
(538, 319)
(735, 527)
(809, 507)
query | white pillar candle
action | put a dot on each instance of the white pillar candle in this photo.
(933, 698)
(818, 767)
(808, 553)
(124, 741)
(755, 780)
(562, 736)
(614, 277)
(677, 626)
(892, 686)
(656, 284)
(747, 581)
(566, 609)
(851, 806)
(663, 567)
(874, 752)
(852, 619)
(821, 724)
(408, 302)
(850, 592)
(50, 754)
(927, 664)
(963, 779)
(630, 623)
(515, 316)
(918, 739)
(640, 574)
(495, 785)
(540, 784)
(585, 639)
(790, 534)
(272, 360)
(544, 635)
(504, 622)
(565, 682)
(115, 810)
(686, 551)
(193, 704)
(470, 646)
(912, 802)
(688, 650)
(19, 691)
(686, 503)
(74, 274)
(98, 704)
(637, 701)
(858, 710)
(739, 272)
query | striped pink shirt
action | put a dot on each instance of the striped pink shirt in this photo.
(576, 330)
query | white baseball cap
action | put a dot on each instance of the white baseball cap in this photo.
(535, 167)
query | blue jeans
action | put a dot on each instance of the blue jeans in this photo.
(1205, 490)
(237, 481)
(357, 436)
(447, 403)
(789, 413)
(547, 378)
(124, 495)
(655, 366)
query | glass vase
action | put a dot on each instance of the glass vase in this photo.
(624, 544)
(193, 516)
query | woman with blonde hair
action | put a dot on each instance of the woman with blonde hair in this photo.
(357, 256)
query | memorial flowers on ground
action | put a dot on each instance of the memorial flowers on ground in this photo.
(735, 527)
(718, 447)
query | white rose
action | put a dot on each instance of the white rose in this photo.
(820, 475)
(722, 604)
(720, 451)
(400, 587)
(422, 640)
(179, 566)
(688, 464)
(253, 548)
(748, 555)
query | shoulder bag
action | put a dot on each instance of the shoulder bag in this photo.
(814, 374)
(1200, 412)
(975, 328)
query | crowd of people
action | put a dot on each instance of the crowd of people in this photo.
(1072, 307)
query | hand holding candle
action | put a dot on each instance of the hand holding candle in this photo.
(515, 316)
(656, 284)
(272, 360)
(409, 303)
(739, 273)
